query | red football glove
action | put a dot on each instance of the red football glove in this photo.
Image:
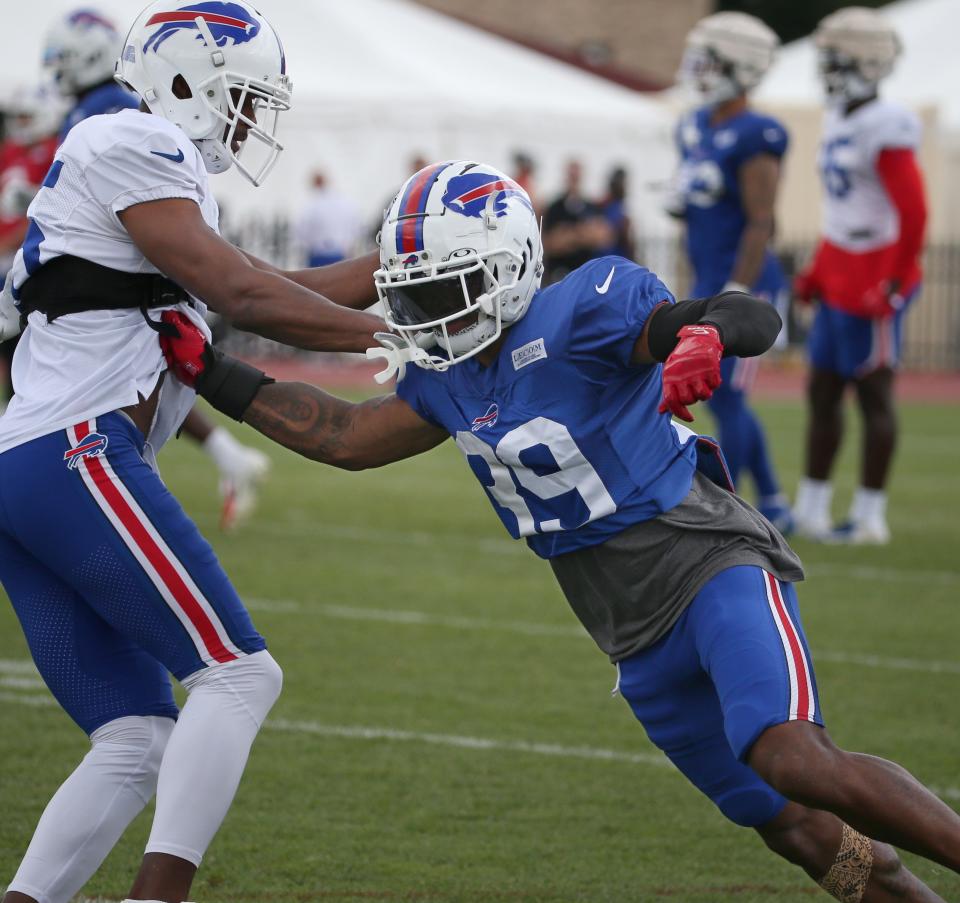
(692, 371)
(804, 287)
(185, 347)
(883, 300)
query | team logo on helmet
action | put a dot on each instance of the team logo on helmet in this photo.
(90, 446)
(229, 23)
(468, 194)
(88, 17)
(488, 419)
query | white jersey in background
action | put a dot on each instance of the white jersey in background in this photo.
(85, 364)
(858, 214)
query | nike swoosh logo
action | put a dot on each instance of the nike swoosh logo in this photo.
(602, 289)
(177, 157)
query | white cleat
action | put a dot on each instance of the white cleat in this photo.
(816, 529)
(860, 533)
(238, 486)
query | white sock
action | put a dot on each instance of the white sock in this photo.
(813, 500)
(224, 449)
(208, 751)
(868, 505)
(86, 816)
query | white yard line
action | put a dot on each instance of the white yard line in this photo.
(480, 744)
(421, 618)
(438, 541)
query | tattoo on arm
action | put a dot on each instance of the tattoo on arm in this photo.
(316, 425)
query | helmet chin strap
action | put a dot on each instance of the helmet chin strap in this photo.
(213, 152)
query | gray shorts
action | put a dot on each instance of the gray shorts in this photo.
(630, 590)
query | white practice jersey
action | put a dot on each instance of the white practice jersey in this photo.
(86, 364)
(858, 214)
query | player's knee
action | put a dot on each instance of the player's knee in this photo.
(251, 683)
(795, 758)
(133, 747)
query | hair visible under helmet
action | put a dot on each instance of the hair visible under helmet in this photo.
(461, 258)
(202, 66)
(727, 54)
(858, 47)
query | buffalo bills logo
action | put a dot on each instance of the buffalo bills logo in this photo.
(90, 446)
(488, 419)
(87, 18)
(469, 194)
(229, 23)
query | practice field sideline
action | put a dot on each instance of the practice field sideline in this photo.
(446, 731)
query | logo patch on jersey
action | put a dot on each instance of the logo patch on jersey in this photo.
(90, 446)
(488, 419)
(229, 23)
(469, 194)
(177, 157)
(605, 287)
(724, 139)
(532, 351)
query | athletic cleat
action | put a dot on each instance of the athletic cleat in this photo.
(238, 486)
(817, 529)
(860, 533)
(777, 511)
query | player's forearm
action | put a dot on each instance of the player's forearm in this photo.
(304, 419)
(747, 325)
(276, 308)
(348, 283)
(751, 252)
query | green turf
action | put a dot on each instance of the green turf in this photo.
(394, 602)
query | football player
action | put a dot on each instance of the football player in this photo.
(113, 585)
(81, 51)
(559, 400)
(865, 272)
(725, 191)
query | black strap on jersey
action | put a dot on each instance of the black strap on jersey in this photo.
(69, 285)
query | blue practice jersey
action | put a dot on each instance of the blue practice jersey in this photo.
(560, 429)
(710, 160)
(107, 98)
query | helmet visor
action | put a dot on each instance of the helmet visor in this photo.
(424, 302)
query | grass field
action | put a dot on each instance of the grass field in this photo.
(446, 731)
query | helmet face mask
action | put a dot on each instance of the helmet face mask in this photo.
(857, 49)
(216, 70)
(477, 270)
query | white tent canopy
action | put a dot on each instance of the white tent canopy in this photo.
(377, 81)
(927, 72)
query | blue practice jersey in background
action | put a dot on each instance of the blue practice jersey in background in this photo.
(710, 161)
(560, 429)
(106, 98)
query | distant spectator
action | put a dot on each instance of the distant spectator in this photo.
(524, 170)
(574, 229)
(614, 208)
(329, 224)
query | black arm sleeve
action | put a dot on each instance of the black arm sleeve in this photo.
(747, 325)
(228, 384)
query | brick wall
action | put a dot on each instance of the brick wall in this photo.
(644, 37)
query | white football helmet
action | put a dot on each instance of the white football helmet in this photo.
(81, 50)
(858, 48)
(461, 258)
(211, 67)
(727, 54)
(33, 112)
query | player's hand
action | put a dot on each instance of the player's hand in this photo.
(804, 287)
(9, 315)
(692, 371)
(883, 300)
(185, 347)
